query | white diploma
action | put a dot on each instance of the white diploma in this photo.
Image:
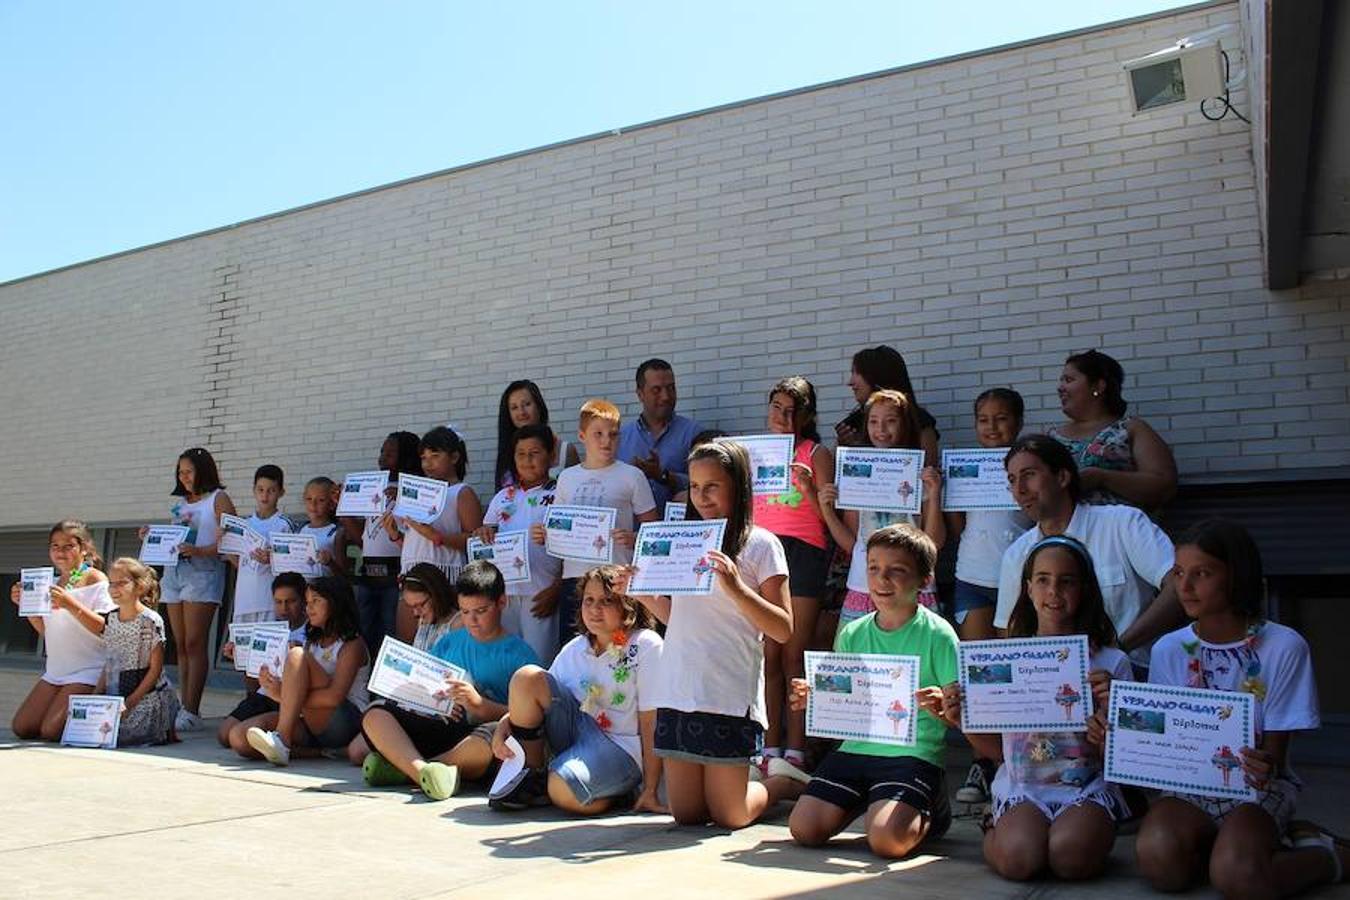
(508, 776)
(92, 720)
(509, 552)
(295, 553)
(770, 461)
(241, 635)
(1025, 685)
(1179, 739)
(363, 494)
(879, 480)
(35, 591)
(580, 533)
(974, 480)
(672, 557)
(862, 696)
(268, 646)
(160, 547)
(238, 538)
(675, 512)
(413, 678)
(420, 499)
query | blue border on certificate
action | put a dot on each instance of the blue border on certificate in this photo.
(910, 738)
(898, 452)
(1011, 644)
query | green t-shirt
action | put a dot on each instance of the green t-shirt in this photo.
(927, 636)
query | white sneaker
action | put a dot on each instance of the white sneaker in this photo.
(270, 745)
(780, 767)
(186, 721)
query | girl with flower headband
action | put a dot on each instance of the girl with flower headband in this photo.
(1052, 808)
(1231, 646)
(589, 709)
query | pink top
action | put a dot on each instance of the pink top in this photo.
(791, 514)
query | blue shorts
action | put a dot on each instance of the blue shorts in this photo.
(196, 579)
(343, 725)
(589, 763)
(969, 596)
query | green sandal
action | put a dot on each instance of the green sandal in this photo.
(439, 781)
(380, 772)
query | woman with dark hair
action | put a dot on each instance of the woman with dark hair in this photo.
(523, 404)
(883, 368)
(1120, 458)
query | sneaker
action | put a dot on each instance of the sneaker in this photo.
(186, 721)
(779, 767)
(380, 772)
(270, 745)
(438, 780)
(976, 788)
(532, 790)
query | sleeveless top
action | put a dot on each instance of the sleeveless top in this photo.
(417, 549)
(327, 658)
(199, 517)
(1108, 449)
(790, 514)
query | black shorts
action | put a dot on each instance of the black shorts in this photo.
(431, 735)
(854, 781)
(704, 738)
(254, 704)
(808, 567)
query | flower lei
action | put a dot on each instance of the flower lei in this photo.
(77, 573)
(1252, 683)
(594, 701)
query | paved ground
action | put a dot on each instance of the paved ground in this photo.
(183, 820)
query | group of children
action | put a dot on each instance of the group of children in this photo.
(610, 696)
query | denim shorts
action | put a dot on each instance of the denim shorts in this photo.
(707, 738)
(589, 763)
(196, 579)
(969, 596)
(343, 725)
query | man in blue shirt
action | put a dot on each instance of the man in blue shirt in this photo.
(658, 440)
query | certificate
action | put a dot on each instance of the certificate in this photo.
(238, 538)
(509, 552)
(770, 461)
(420, 499)
(975, 480)
(879, 480)
(672, 557)
(268, 646)
(35, 591)
(675, 512)
(363, 494)
(295, 553)
(862, 696)
(1180, 739)
(160, 547)
(241, 635)
(413, 678)
(580, 533)
(92, 720)
(1025, 684)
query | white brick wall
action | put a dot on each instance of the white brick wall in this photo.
(986, 215)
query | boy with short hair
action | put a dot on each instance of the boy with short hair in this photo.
(902, 789)
(288, 605)
(253, 579)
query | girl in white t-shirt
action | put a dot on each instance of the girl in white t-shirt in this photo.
(709, 693)
(1052, 807)
(1231, 646)
(74, 656)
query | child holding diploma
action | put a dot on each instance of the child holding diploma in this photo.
(377, 578)
(329, 539)
(1231, 646)
(900, 790)
(257, 708)
(134, 636)
(74, 656)
(891, 423)
(794, 518)
(532, 606)
(253, 575)
(589, 710)
(1052, 808)
(709, 689)
(442, 541)
(322, 688)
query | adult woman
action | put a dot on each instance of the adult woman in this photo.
(880, 368)
(522, 404)
(1120, 458)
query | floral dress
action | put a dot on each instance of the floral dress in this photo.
(1108, 449)
(129, 645)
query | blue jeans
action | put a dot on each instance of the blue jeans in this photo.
(376, 608)
(589, 763)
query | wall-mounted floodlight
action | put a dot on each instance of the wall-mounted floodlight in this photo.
(1192, 71)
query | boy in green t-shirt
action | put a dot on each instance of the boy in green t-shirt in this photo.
(902, 789)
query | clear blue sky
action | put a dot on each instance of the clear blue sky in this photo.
(130, 123)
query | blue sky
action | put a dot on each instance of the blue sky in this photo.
(131, 123)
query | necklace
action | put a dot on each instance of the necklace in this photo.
(77, 573)
(1252, 683)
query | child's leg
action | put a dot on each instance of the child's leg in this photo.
(238, 737)
(529, 700)
(894, 828)
(1017, 846)
(473, 757)
(392, 742)
(27, 721)
(775, 692)
(1081, 838)
(685, 791)
(814, 821)
(561, 796)
(734, 801)
(358, 750)
(297, 675)
(197, 618)
(1247, 862)
(805, 611)
(223, 732)
(1173, 844)
(54, 721)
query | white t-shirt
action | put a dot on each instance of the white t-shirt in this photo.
(75, 655)
(1275, 668)
(619, 486)
(987, 534)
(614, 686)
(713, 658)
(1130, 555)
(253, 581)
(417, 549)
(515, 509)
(324, 537)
